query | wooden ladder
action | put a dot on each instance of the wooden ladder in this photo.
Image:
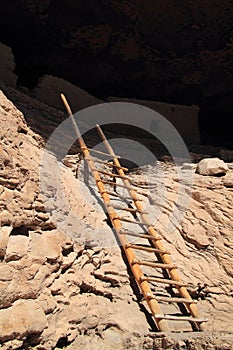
(153, 240)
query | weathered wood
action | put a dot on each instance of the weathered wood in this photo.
(151, 238)
(180, 318)
(140, 223)
(100, 152)
(154, 264)
(174, 300)
(110, 174)
(110, 164)
(162, 280)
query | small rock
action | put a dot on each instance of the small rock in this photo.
(167, 343)
(212, 166)
(189, 166)
(228, 180)
(6, 272)
(6, 218)
(68, 260)
(17, 247)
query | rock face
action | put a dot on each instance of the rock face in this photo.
(212, 166)
(183, 118)
(49, 89)
(62, 288)
(7, 66)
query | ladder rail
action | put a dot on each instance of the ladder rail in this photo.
(157, 243)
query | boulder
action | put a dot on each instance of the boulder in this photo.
(228, 180)
(212, 166)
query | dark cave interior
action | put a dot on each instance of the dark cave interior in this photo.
(167, 52)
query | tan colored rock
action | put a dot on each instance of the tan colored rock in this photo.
(6, 272)
(4, 237)
(6, 217)
(228, 180)
(12, 344)
(50, 87)
(17, 247)
(45, 245)
(68, 260)
(47, 302)
(211, 166)
(28, 194)
(21, 320)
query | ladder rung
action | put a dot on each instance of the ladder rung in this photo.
(112, 175)
(132, 210)
(112, 183)
(173, 300)
(154, 264)
(120, 196)
(139, 235)
(180, 318)
(146, 249)
(110, 164)
(132, 221)
(100, 152)
(162, 280)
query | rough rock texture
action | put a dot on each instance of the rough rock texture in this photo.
(63, 285)
(7, 66)
(212, 166)
(183, 118)
(49, 89)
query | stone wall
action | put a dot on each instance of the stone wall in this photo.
(7, 66)
(183, 118)
(49, 89)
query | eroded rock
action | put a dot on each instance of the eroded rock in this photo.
(23, 319)
(212, 166)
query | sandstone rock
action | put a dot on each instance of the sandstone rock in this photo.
(85, 289)
(212, 166)
(6, 272)
(4, 237)
(45, 245)
(21, 320)
(17, 247)
(12, 345)
(28, 193)
(50, 87)
(6, 217)
(228, 180)
(68, 260)
(47, 302)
